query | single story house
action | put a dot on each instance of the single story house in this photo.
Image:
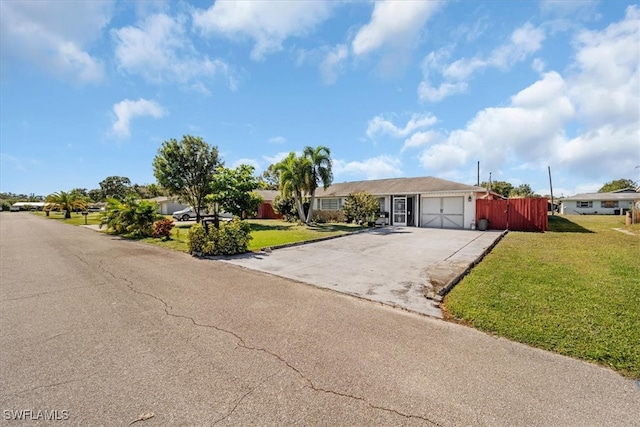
(613, 203)
(167, 205)
(417, 202)
(25, 206)
(265, 210)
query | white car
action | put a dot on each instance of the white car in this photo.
(189, 214)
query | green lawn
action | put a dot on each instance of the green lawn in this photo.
(574, 290)
(265, 233)
(76, 218)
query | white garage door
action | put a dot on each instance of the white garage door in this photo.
(442, 212)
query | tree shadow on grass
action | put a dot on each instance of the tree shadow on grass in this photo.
(559, 224)
(268, 227)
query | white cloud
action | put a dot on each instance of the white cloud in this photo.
(128, 110)
(159, 49)
(373, 168)
(267, 23)
(277, 157)
(380, 126)
(277, 140)
(54, 36)
(395, 23)
(607, 84)
(586, 123)
(333, 63)
(523, 42)
(420, 139)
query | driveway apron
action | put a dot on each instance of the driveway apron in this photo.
(394, 265)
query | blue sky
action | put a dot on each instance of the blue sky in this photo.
(91, 89)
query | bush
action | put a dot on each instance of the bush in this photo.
(231, 238)
(162, 228)
(360, 207)
(131, 216)
(322, 217)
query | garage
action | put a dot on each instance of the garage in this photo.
(442, 212)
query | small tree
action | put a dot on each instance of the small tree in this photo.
(187, 168)
(130, 216)
(66, 202)
(234, 190)
(360, 207)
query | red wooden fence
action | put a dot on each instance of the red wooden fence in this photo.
(514, 214)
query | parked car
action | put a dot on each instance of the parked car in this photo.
(189, 214)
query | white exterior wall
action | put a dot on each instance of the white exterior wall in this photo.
(469, 207)
(570, 207)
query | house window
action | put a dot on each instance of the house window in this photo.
(381, 204)
(330, 204)
(610, 204)
(584, 204)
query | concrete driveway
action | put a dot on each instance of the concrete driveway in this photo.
(391, 265)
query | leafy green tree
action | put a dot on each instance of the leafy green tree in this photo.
(523, 190)
(270, 178)
(503, 188)
(360, 207)
(318, 173)
(186, 168)
(66, 202)
(293, 171)
(117, 187)
(234, 190)
(96, 195)
(618, 184)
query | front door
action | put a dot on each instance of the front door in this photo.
(400, 210)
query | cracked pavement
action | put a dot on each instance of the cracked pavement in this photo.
(109, 329)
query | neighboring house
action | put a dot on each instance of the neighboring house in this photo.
(167, 206)
(265, 210)
(613, 203)
(418, 202)
(25, 206)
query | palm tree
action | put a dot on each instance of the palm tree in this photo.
(318, 173)
(67, 202)
(293, 171)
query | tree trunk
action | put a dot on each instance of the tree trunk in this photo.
(310, 213)
(300, 207)
(67, 214)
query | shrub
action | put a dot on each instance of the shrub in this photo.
(131, 216)
(231, 238)
(162, 228)
(360, 207)
(322, 217)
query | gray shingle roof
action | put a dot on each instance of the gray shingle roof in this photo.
(602, 196)
(425, 184)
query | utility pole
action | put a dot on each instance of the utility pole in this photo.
(553, 210)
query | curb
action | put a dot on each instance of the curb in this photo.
(453, 282)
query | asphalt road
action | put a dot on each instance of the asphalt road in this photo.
(97, 331)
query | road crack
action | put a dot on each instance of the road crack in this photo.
(243, 344)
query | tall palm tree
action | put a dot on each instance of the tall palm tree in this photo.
(293, 171)
(67, 201)
(319, 172)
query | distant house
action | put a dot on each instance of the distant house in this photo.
(265, 210)
(612, 203)
(417, 202)
(25, 206)
(167, 205)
